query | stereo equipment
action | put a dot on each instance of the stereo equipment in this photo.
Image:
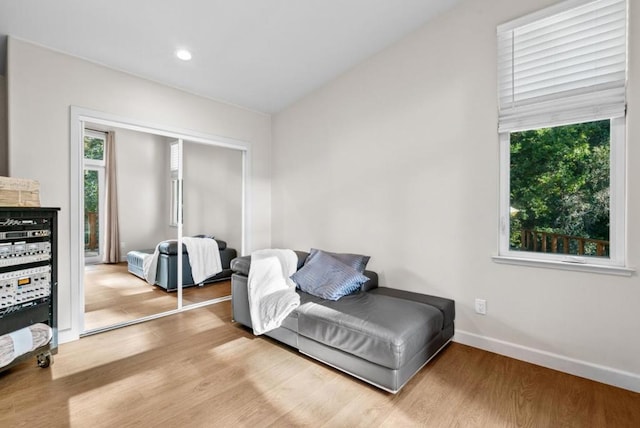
(22, 252)
(28, 276)
(21, 234)
(22, 286)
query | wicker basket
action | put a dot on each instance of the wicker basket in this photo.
(19, 192)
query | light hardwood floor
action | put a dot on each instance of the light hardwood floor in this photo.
(113, 295)
(198, 369)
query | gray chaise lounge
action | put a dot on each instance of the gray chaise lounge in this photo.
(380, 335)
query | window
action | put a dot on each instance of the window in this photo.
(94, 181)
(562, 107)
(94, 146)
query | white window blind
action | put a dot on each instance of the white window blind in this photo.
(565, 64)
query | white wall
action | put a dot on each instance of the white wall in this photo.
(212, 192)
(3, 126)
(142, 189)
(42, 86)
(398, 158)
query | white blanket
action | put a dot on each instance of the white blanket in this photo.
(272, 293)
(149, 266)
(204, 258)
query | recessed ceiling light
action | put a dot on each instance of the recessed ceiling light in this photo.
(183, 54)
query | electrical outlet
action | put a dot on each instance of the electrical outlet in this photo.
(481, 306)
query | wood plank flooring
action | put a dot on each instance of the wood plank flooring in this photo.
(198, 369)
(113, 295)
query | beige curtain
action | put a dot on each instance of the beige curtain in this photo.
(111, 253)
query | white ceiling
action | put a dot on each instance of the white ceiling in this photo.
(260, 54)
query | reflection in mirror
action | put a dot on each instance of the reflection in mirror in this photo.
(120, 291)
(212, 186)
(152, 198)
(115, 293)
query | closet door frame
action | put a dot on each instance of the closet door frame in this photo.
(78, 117)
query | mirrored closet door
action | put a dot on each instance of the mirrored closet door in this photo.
(127, 207)
(212, 219)
(173, 196)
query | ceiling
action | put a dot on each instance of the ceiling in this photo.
(259, 54)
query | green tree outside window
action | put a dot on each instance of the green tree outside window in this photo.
(560, 181)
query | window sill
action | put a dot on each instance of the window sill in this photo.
(578, 267)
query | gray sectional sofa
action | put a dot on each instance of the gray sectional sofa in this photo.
(167, 268)
(380, 335)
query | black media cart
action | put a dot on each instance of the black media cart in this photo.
(28, 275)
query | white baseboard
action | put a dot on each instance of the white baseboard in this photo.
(608, 375)
(68, 335)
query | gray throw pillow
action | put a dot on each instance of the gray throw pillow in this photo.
(356, 261)
(327, 277)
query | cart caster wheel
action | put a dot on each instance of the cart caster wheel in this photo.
(45, 360)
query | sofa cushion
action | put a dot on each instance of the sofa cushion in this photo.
(446, 306)
(325, 276)
(356, 261)
(385, 330)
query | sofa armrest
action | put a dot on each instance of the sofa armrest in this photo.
(241, 265)
(372, 283)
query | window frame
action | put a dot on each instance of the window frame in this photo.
(98, 165)
(616, 262)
